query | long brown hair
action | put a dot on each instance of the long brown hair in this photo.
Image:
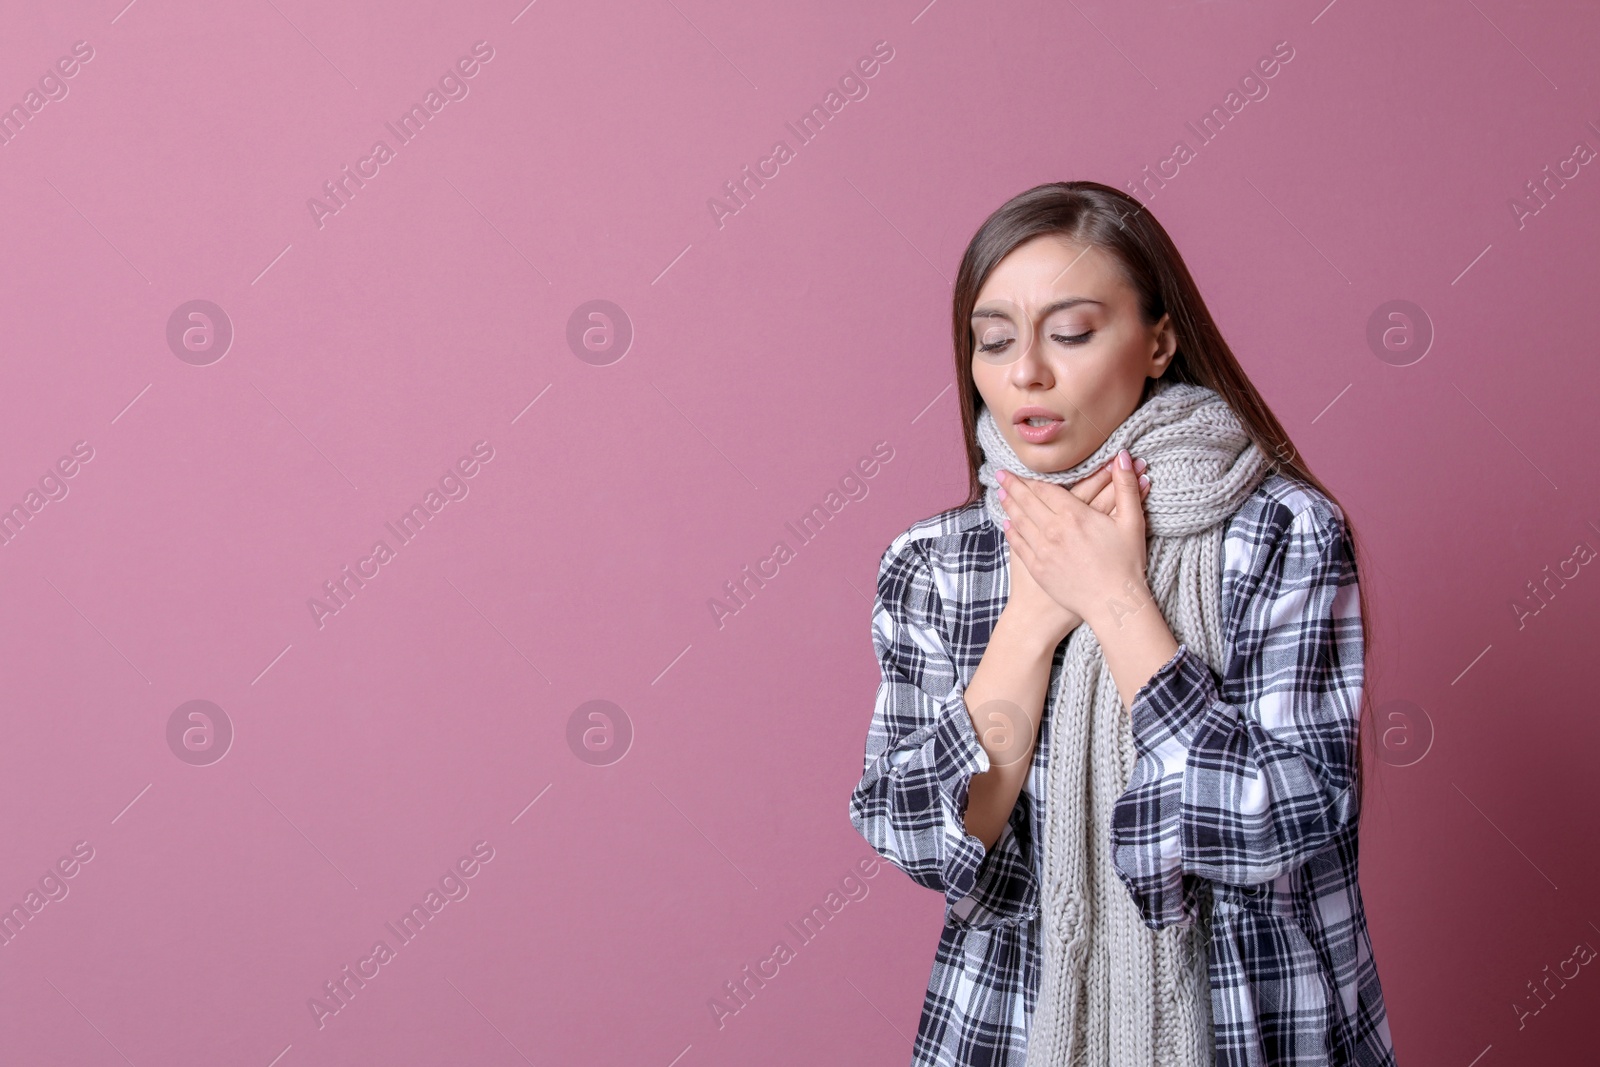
(1088, 213)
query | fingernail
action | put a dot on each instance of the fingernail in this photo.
(1140, 465)
(1144, 482)
(1000, 492)
(1000, 476)
(1124, 461)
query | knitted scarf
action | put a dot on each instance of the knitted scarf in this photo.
(1113, 992)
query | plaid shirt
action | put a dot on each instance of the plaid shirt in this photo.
(1240, 801)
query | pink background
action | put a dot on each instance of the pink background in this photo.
(769, 354)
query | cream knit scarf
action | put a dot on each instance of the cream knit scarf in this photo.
(1113, 992)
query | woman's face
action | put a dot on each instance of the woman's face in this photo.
(1057, 334)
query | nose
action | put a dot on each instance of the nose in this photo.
(1029, 369)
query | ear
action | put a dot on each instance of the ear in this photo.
(1166, 346)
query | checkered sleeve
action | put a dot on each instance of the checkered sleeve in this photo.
(921, 753)
(1246, 788)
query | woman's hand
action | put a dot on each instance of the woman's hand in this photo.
(1075, 555)
(1036, 609)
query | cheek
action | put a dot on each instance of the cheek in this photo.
(1115, 398)
(1104, 383)
(989, 380)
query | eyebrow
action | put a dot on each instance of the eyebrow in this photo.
(1049, 309)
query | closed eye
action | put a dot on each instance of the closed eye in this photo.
(1075, 339)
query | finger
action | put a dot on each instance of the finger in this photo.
(1108, 496)
(1020, 549)
(1129, 504)
(1022, 501)
(1089, 490)
(1050, 500)
(1049, 494)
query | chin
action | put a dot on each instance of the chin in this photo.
(1043, 459)
(1050, 458)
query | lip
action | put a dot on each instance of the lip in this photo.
(1037, 435)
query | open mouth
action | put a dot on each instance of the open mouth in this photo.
(1039, 429)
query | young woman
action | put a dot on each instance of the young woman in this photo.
(1118, 720)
